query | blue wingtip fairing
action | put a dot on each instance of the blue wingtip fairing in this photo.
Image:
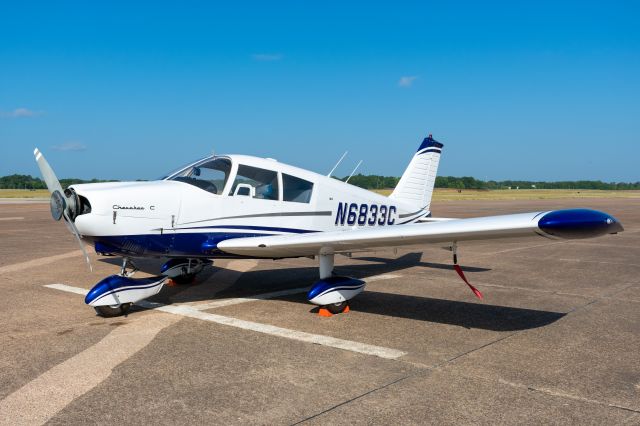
(429, 142)
(579, 223)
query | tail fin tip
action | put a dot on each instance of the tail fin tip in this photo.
(430, 142)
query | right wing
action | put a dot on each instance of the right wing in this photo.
(578, 223)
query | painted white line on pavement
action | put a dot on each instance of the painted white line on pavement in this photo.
(68, 288)
(318, 339)
(11, 218)
(24, 201)
(38, 262)
(381, 277)
(43, 397)
(235, 301)
(273, 330)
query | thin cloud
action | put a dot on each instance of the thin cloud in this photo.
(70, 146)
(20, 113)
(407, 80)
(267, 57)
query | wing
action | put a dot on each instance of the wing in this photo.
(578, 223)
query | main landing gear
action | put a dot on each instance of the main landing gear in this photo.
(183, 271)
(113, 311)
(332, 293)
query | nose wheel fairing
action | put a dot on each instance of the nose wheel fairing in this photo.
(117, 290)
(335, 290)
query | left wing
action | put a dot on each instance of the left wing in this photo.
(570, 224)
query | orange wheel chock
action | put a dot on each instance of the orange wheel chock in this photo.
(323, 312)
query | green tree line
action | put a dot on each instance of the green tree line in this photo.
(376, 182)
(468, 182)
(30, 182)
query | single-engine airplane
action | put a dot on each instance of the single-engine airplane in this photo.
(238, 206)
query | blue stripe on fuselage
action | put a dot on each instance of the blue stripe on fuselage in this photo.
(196, 244)
(253, 228)
(189, 244)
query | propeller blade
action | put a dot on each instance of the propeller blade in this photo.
(59, 201)
(74, 231)
(53, 184)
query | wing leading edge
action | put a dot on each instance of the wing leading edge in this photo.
(569, 224)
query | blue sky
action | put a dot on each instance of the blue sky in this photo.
(538, 90)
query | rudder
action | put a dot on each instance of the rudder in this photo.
(416, 184)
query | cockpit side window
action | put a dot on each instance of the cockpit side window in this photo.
(210, 176)
(256, 183)
(295, 189)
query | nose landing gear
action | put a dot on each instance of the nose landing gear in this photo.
(116, 310)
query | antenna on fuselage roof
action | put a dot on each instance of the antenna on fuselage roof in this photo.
(354, 170)
(337, 164)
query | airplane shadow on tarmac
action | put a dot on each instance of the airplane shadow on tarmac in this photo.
(464, 314)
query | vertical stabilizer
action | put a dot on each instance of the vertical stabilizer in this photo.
(416, 184)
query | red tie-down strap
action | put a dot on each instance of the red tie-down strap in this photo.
(461, 274)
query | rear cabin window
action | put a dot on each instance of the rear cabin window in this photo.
(295, 189)
(256, 183)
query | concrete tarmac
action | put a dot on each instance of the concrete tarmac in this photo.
(555, 339)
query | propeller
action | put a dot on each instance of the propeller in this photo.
(63, 202)
(458, 269)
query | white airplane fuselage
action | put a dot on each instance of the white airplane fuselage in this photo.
(176, 219)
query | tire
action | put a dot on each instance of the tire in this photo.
(337, 308)
(184, 279)
(112, 311)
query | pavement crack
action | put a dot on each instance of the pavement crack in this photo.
(600, 298)
(519, 248)
(598, 261)
(561, 394)
(355, 398)
(486, 345)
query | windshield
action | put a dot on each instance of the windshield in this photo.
(168, 176)
(210, 174)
